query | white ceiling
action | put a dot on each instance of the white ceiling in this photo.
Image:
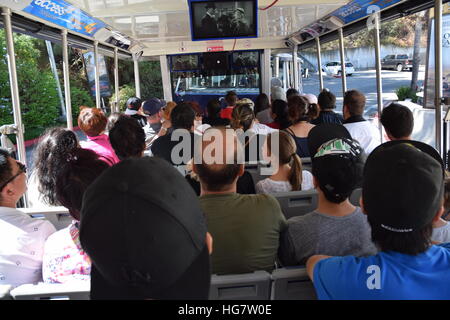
(162, 26)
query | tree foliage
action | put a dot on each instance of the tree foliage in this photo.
(39, 101)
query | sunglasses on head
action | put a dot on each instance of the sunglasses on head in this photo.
(22, 169)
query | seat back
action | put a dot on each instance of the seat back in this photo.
(58, 216)
(53, 291)
(5, 292)
(246, 286)
(355, 196)
(292, 284)
(297, 203)
(306, 164)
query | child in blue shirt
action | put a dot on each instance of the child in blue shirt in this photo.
(402, 197)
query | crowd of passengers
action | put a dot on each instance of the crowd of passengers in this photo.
(142, 230)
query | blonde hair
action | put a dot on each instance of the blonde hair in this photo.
(246, 101)
(168, 109)
(242, 117)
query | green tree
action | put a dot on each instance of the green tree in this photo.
(37, 88)
(151, 82)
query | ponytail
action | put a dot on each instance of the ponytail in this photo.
(313, 111)
(295, 176)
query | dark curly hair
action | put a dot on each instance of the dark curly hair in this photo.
(55, 147)
(75, 176)
(127, 138)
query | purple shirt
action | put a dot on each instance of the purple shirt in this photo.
(102, 147)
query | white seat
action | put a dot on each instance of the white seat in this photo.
(58, 216)
(79, 290)
(5, 292)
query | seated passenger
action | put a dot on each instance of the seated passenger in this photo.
(213, 118)
(92, 122)
(291, 92)
(245, 228)
(300, 113)
(127, 138)
(277, 93)
(51, 149)
(245, 184)
(398, 121)
(152, 108)
(327, 103)
(22, 238)
(230, 98)
(311, 98)
(290, 176)
(361, 130)
(183, 117)
(64, 259)
(336, 227)
(402, 197)
(441, 227)
(143, 228)
(262, 109)
(243, 119)
(279, 115)
(134, 110)
(246, 101)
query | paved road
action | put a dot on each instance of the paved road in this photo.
(365, 81)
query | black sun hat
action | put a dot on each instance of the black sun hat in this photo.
(403, 185)
(142, 227)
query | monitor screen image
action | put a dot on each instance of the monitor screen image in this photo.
(215, 61)
(223, 19)
(184, 62)
(249, 59)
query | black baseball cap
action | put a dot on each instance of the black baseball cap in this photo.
(338, 167)
(142, 227)
(324, 132)
(134, 103)
(403, 185)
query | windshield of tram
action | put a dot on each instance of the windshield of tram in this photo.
(215, 73)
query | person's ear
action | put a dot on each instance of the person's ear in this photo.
(361, 205)
(315, 182)
(439, 214)
(209, 242)
(241, 170)
(194, 168)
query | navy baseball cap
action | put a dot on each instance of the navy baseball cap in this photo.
(152, 106)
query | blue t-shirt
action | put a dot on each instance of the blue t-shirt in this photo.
(385, 276)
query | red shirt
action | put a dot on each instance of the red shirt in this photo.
(274, 125)
(226, 113)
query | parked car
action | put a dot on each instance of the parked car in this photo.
(333, 68)
(397, 62)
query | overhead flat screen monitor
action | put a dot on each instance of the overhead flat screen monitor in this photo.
(184, 62)
(223, 19)
(245, 59)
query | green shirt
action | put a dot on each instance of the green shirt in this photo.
(245, 229)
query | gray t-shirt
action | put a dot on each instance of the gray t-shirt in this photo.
(317, 233)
